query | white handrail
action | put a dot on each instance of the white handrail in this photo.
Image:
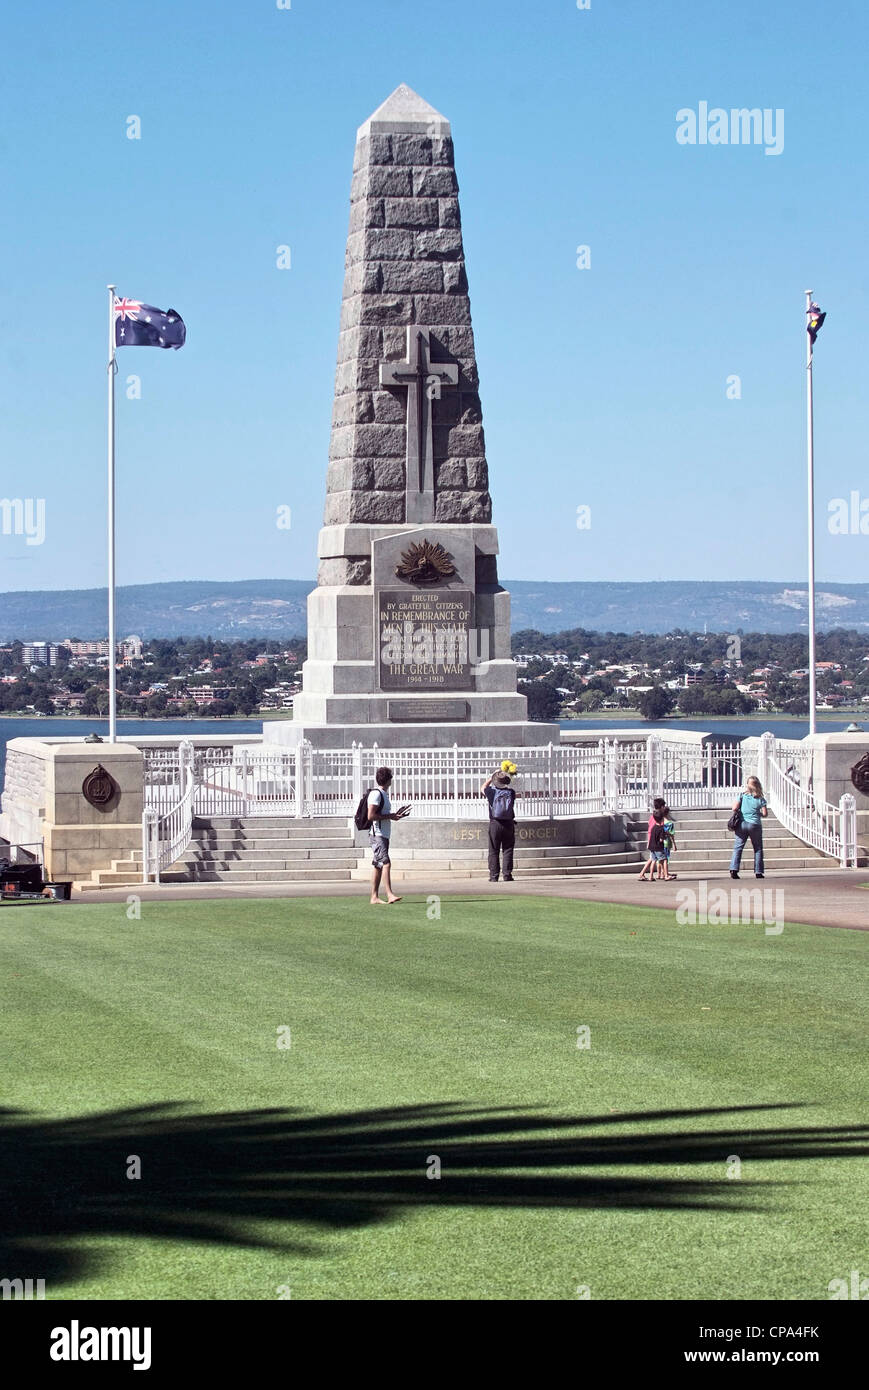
(813, 821)
(165, 838)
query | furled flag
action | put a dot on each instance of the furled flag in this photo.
(141, 325)
(815, 323)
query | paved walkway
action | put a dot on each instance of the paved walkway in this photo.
(830, 898)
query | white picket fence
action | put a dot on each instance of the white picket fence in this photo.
(553, 780)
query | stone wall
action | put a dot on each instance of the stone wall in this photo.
(22, 805)
(565, 831)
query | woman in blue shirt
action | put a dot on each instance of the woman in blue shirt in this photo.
(752, 809)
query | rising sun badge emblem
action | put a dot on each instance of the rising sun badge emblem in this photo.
(425, 562)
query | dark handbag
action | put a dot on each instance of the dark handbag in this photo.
(735, 821)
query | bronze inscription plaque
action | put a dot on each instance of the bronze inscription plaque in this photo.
(423, 639)
(427, 711)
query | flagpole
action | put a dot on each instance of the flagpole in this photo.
(111, 512)
(810, 425)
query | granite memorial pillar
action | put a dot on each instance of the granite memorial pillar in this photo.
(408, 628)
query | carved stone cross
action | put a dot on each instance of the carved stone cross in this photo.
(423, 380)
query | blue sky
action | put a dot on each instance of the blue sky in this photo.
(604, 387)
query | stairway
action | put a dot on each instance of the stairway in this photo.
(267, 849)
(705, 844)
(260, 849)
(276, 849)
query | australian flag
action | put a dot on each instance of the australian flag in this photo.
(141, 325)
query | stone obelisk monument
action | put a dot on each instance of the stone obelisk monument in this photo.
(408, 628)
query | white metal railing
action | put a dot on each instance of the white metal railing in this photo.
(162, 778)
(830, 829)
(553, 780)
(444, 783)
(246, 782)
(630, 775)
(165, 837)
(700, 776)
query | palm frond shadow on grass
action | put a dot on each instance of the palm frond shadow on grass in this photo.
(225, 1177)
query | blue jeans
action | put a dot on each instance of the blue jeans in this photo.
(755, 834)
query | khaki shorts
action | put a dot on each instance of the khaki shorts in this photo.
(380, 851)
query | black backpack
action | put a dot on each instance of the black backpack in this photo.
(502, 803)
(360, 820)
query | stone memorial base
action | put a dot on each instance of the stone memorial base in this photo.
(498, 737)
(403, 663)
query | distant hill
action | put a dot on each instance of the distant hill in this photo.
(245, 608)
(277, 608)
(661, 606)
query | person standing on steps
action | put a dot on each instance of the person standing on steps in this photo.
(659, 804)
(657, 863)
(380, 818)
(751, 807)
(502, 825)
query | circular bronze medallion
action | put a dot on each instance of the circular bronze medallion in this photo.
(860, 775)
(99, 786)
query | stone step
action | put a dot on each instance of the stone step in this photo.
(714, 842)
(280, 851)
(302, 830)
(606, 847)
(109, 878)
(478, 851)
(796, 861)
(718, 846)
(710, 826)
(710, 818)
(261, 876)
(555, 861)
(479, 865)
(268, 841)
(236, 867)
(275, 822)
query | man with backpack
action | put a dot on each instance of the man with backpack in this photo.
(502, 825)
(375, 811)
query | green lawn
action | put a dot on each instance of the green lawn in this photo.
(413, 1042)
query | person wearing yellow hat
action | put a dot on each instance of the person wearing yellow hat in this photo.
(502, 824)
